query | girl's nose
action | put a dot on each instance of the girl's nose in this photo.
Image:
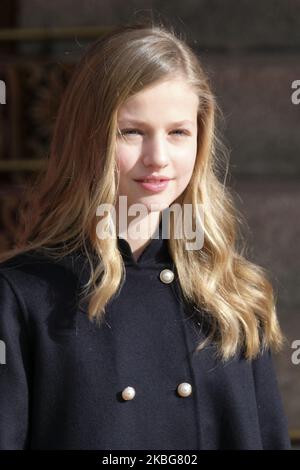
(155, 152)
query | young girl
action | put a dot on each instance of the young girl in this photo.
(136, 341)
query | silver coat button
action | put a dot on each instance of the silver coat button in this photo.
(184, 389)
(166, 276)
(128, 393)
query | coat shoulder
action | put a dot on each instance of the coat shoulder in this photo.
(37, 265)
(39, 282)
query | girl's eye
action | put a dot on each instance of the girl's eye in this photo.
(181, 132)
(136, 131)
(130, 131)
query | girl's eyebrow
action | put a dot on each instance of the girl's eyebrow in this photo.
(136, 122)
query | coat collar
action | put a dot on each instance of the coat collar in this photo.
(156, 251)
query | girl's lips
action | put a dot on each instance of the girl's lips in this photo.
(154, 186)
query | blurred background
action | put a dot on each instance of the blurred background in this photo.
(251, 51)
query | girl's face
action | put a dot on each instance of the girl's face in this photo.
(158, 137)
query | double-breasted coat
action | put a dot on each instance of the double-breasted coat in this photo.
(133, 383)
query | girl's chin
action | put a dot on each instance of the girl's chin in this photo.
(153, 204)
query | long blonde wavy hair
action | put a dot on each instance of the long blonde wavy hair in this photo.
(58, 214)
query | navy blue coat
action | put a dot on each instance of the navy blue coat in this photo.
(64, 381)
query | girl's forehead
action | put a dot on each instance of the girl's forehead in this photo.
(175, 86)
(173, 98)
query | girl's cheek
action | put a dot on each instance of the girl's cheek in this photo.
(121, 161)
